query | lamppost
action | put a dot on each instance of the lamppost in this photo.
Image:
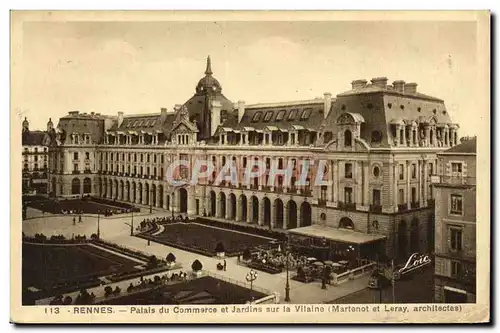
(172, 203)
(131, 224)
(98, 226)
(251, 277)
(287, 255)
(150, 200)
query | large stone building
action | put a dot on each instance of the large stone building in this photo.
(455, 190)
(35, 158)
(379, 142)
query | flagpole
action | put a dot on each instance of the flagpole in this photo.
(393, 283)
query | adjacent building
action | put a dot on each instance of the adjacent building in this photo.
(379, 143)
(35, 161)
(455, 255)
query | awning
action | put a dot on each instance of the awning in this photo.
(132, 132)
(272, 128)
(248, 129)
(334, 234)
(298, 127)
(112, 133)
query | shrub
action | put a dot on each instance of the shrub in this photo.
(153, 262)
(107, 291)
(94, 236)
(220, 248)
(171, 257)
(197, 265)
(247, 254)
(68, 300)
(117, 290)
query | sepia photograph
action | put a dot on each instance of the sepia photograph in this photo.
(250, 167)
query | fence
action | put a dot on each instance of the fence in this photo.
(238, 283)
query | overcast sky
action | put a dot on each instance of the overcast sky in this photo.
(142, 66)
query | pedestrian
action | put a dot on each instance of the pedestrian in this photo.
(74, 220)
(79, 219)
(225, 265)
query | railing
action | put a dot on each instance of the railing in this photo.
(353, 274)
(321, 202)
(306, 192)
(415, 204)
(402, 207)
(454, 180)
(347, 205)
(238, 283)
(87, 171)
(376, 208)
(76, 172)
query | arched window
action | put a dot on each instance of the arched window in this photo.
(348, 138)
(75, 186)
(328, 137)
(346, 223)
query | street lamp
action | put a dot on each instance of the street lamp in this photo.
(151, 201)
(287, 255)
(98, 226)
(251, 277)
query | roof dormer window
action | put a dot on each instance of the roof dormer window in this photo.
(292, 115)
(280, 115)
(256, 116)
(305, 114)
(268, 116)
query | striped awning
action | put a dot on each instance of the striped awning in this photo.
(298, 127)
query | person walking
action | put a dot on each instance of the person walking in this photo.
(79, 219)
(225, 265)
(74, 220)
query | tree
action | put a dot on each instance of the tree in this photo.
(117, 290)
(153, 262)
(220, 248)
(171, 257)
(197, 265)
(108, 291)
(68, 300)
(94, 236)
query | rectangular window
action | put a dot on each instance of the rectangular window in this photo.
(75, 167)
(456, 204)
(147, 158)
(323, 192)
(154, 158)
(414, 171)
(280, 115)
(36, 158)
(142, 158)
(401, 172)
(376, 197)
(456, 268)
(87, 156)
(348, 195)
(268, 116)
(292, 114)
(413, 194)
(456, 167)
(401, 196)
(244, 162)
(455, 239)
(431, 169)
(348, 170)
(75, 156)
(161, 159)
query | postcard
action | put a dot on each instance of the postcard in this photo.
(250, 167)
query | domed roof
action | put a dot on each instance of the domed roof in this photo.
(208, 83)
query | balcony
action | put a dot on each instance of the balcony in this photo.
(347, 206)
(375, 208)
(403, 207)
(415, 205)
(453, 180)
(87, 171)
(305, 191)
(321, 202)
(75, 172)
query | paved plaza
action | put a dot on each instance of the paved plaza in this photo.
(116, 229)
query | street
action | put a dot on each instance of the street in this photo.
(417, 288)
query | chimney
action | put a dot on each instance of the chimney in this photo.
(327, 104)
(177, 107)
(380, 82)
(411, 88)
(399, 85)
(356, 84)
(120, 118)
(163, 114)
(215, 115)
(241, 110)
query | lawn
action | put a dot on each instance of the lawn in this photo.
(86, 206)
(51, 267)
(202, 237)
(205, 290)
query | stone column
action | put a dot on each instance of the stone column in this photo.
(335, 182)
(425, 185)
(408, 187)
(261, 212)
(395, 177)
(218, 205)
(165, 195)
(366, 181)
(272, 215)
(285, 216)
(144, 194)
(299, 218)
(228, 208)
(238, 211)
(249, 211)
(398, 132)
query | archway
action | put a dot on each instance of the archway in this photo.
(267, 211)
(160, 188)
(347, 138)
(128, 190)
(153, 194)
(222, 203)
(110, 189)
(232, 206)
(122, 190)
(183, 200)
(132, 192)
(278, 213)
(87, 185)
(53, 189)
(213, 203)
(414, 236)
(292, 214)
(305, 214)
(255, 210)
(140, 193)
(75, 186)
(168, 202)
(346, 223)
(115, 196)
(243, 203)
